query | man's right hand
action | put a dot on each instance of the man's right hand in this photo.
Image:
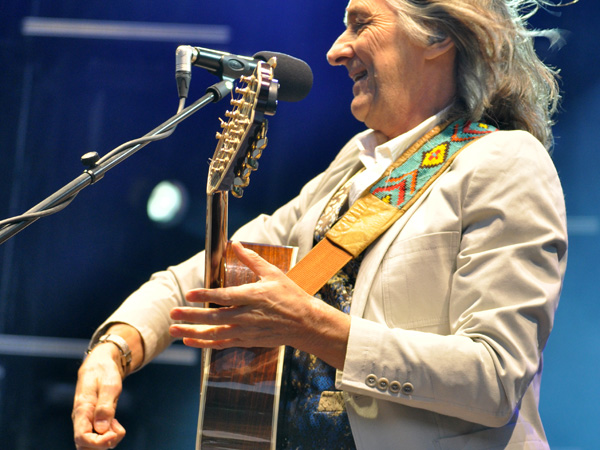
(99, 385)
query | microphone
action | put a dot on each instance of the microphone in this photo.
(295, 77)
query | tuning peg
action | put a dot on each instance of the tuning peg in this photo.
(237, 192)
(241, 182)
(232, 114)
(246, 171)
(240, 103)
(246, 79)
(233, 131)
(242, 91)
(261, 143)
(232, 141)
(272, 62)
(253, 164)
(256, 153)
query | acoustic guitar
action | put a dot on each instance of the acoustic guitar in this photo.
(240, 387)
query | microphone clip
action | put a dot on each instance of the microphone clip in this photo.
(226, 66)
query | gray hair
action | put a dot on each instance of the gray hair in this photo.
(500, 78)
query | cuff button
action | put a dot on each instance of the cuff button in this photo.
(395, 387)
(407, 388)
(371, 380)
(383, 384)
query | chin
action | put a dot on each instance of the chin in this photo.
(359, 111)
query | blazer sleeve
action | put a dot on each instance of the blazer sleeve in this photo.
(503, 292)
(147, 309)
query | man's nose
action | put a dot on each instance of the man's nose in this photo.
(340, 51)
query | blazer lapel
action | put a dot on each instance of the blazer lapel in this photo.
(309, 222)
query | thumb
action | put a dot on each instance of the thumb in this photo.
(107, 404)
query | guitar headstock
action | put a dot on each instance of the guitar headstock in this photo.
(244, 136)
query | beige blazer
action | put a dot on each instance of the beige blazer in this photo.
(452, 306)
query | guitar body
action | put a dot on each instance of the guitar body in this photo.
(240, 386)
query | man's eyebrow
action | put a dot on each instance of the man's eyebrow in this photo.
(351, 14)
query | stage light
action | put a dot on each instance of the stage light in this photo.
(167, 203)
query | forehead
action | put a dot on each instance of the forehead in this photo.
(357, 8)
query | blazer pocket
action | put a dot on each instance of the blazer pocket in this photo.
(416, 276)
(513, 436)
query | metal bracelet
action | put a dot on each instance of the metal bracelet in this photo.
(121, 345)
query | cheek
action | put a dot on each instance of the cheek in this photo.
(385, 83)
(392, 75)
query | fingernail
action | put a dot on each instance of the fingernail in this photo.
(101, 425)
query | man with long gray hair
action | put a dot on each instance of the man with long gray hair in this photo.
(430, 334)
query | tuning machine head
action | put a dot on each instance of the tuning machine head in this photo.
(242, 138)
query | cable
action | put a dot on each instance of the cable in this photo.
(31, 217)
(141, 140)
(36, 215)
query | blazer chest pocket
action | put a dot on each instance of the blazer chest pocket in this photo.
(415, 281)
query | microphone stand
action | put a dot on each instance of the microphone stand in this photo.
(96, 170)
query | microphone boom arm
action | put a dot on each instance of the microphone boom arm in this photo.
(96, 170)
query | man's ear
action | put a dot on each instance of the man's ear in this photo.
(438, 45)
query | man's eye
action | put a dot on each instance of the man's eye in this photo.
(357, 27)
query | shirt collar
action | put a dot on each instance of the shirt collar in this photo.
(371, 153)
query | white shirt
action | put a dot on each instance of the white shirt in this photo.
(377, 158)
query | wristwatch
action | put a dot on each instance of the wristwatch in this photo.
(121, 345)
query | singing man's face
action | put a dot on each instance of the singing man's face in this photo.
(386, 67)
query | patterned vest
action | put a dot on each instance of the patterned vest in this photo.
(314, 416)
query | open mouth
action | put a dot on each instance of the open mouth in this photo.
(359, 76)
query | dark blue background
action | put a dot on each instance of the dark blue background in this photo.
(61, 97)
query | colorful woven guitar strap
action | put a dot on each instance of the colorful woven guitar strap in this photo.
(385, 201)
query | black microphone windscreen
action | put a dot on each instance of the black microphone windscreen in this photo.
(294, 75)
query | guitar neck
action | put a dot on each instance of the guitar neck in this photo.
(240, 387)
(216, 239)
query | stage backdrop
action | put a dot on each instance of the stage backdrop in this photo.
(87, 76)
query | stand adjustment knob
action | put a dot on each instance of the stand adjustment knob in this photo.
(90, 159)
